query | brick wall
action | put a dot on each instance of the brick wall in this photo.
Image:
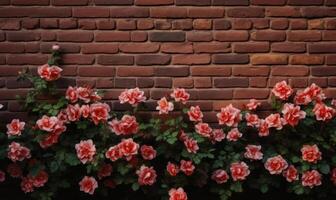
(221, 50)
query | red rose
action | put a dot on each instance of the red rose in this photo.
(15, 128)
(73, 112)
(274, 120)
(146, 175)
(128, 147)
(40, 179)
(164, 106)
(180, 95)
(126, 126)
(253, 152)
(220, 176)
(88, 185)
(99, 112)
(177, 194)
(49, 73)
(27, 185)
(230, 116)
(71, 94)
(85, 111)
(253, 104)
(217, 135)
(263, 128)
(86, 151)
(17, 152)
(239, 171)
(187, 167)
(276, 164)
(191, 145)
(233, 135)
(113, 153)
(132, 96)
(292, 114)
(311, 178)
(195, 114)
(323, 112)
(291, 174)
(311, 153)
(148, 152)
(172, 169)
(203, 129)
(252, 119)
(282, 90)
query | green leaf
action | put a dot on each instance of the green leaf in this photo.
(135, 186)
(324, 168)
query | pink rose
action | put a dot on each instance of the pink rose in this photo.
(187, 167)
(113, 153)
(2, 176)
(86, 151)
(276, 164)
(164, 106)
(252, 119)
(147, 152)
(311, 153)
(132, 96)
(233, 135)
(128, 147)
(253, 152)
(40, 179)
(73, 112)
(195, 114)
(217, 135)
(253, 104)
(71, 94)
(323, 112)
(146, 175)
(180, 95)
(27, 185)
(292, 114)
(99, 112)
(230, 116)
(220, 176)
(203, 129)
(17, 152)
(274, 120)
(239, 171)
(311, 178)
(49, 73)
(291, 174)
(85, 111)
(177, 194)
(88, 185)
(263, 128)
(172, 169)
(191, 145)
(15, 128)
(126, 126)
(282, 90)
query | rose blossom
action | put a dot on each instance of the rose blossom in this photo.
(291, 174)
(323, 112)
(311, 178)
(164, 106)
(252, 119)
(253, 152)
(88, 185)
(187, 167)
(104, 171)
(172, 169)
(263, 128)
(85, 111)
(233, 135)
(27, 185)
(239, 171)
(146, 175)
(132, 96)
(2, 176)
(14, 170)
(47, 123)
(203, 129)
(180, 95)
(126, 126)
(276, 164)
(274, 120)
(73, 112)
(49, 140)
(177, 194)
(282, 90)
(230, 116)
(84, 93)
(49, 73)
(17, 152)
(195, 114)
(191, 145)
(220, 176)
(86, 151)
(217, 135)
(302, 98)
(311, 153)
(147, 152)
(333, 176)
(40, 179)
(71, 94)
(113, 153)
(253, 104)
(128, 147)
(15, 128)
(55, 47)
(315, 92)
(292, 114)
(99, 112)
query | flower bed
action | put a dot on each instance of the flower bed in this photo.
(78, 142)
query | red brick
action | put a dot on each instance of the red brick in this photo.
(49, 23)
(213, 47)
(279, 24)
(298, 82)
(23, 36)
(177, 48)
(251, 71)
(250, 93)
(318, 11)
(78, 59)
(153, 2)
(10, 70)
(48, 36)
(274, 36)
(304, 36)
(137, 36)
(330, 2)
(202, 24)
(35, 12)
(306, 60)
(125, 82)
(113, 36)
(183, 83)
(190, 59)
(154, 59)
(316, 24)
(145, 24)
(12, 48)
(322, 82)
(230, 2)
(290, 71)
(231, 82)
(163, 82)
(206, 12)
(129, 12)
(322, 48)
(30, 2)
(221, 24)
(171, 71)
(10, 24)
(65, 48)
(113, 2)
(182, 24)
(323, 71)
(329, 36)
(269, 59)
(145, 82)
(202, 82)
(105, 83)
(139, 48)
(126, 24)
(298, 24)
(106, 24)
(30, 23)
(252, 47)
(115, 60)
(199, 36)
(67, 23)
(258, 82)
(246, 12)
(70, 3)
(135, 71)
(86, 24)
(286, 47)
(99, 48)
(241, 24)
(305, 2)
(259, 23)
(167, 36)
(96, 71)
(230, 59)
(26, 59)
(210, 71)
(268, 2)
(231, 36)
(331, 60)
(74, 36)
(215, 94)
(162, 24)
(283, 12)
(168, 12)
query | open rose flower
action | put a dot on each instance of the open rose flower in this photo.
(203, 129)
(15, 128)
(291, 174)
(180, 95)
(99, 112)
(126, 126)
(253, 104)
(128, 147)
(85, 111)
(195, 114)
(230, 116)
(263, 128)
(40, 179)
(113, 153)
(220, 176)
(47, 123)
(187, 167)
(311, 179)
(73, 112)
(276, 164)
(217, 135)
(292, 114)
(88, 185)
(233, 135)
(311, 153)
(164, 106)
(239, 171)
(177, 194)
(86, 151)
(17, 152)
(147, 152)
(172, 169)
(49, 73)
(132, 96)
(191, 145)
(27, 185)
(71, 94)
(323, 112)
(274, 120)
(252, 120)
(253, 152)
(282, 90)
(315, 93)
(146, 175)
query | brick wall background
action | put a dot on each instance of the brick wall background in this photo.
(220, 50)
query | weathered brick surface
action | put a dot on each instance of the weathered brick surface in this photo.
(220, 50)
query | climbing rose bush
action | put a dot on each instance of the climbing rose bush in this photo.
(73, 139)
